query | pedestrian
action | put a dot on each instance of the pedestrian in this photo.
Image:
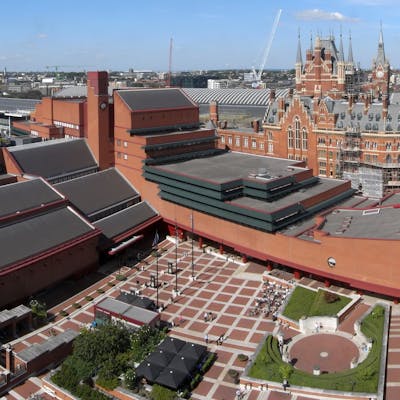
(181, 319)
(206, 338)
(205, 316)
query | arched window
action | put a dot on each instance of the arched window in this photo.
(388, 159)
(297, 142)
(290, 137)
(305, 139)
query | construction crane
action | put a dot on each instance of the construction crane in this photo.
(257, 75)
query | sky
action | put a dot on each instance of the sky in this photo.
(72, 35)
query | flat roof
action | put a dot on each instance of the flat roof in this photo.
(292, 198)
(36, 234)
(232, 166)
(98, 191)
(27, 195)
(374, 223)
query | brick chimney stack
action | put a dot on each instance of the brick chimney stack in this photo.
(214, 117)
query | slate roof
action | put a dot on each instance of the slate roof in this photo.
(14, 313)
(36, 350)
(155, 99)
(95, 192)
(381, 223)
(54, 158)
(27, 195)
(36, 234)
(126, 219)
(128, 311)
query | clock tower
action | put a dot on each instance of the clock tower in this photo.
(380, 71)
(99, 129)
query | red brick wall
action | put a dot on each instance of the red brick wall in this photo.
(18, 284)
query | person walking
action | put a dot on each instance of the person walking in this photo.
(206, 338)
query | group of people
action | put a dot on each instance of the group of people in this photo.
(219, 340)
(271, 299)
(209, 316)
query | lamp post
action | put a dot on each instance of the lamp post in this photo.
(192, 225)
(176, 258)
(156, 277)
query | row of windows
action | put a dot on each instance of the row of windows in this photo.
(297, 140)
(297, 157)
(66, 125)
(246, 143)
(119, 142)
(122, 155)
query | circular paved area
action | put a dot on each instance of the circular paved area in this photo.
(332, 353)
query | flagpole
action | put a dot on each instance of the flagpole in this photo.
(192, 223)
(157, 274)
(176, 258)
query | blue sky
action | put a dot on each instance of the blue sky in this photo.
(122, 34)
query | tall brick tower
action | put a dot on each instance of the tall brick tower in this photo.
(98, 118)
(380, 71)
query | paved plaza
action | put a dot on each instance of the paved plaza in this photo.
(227, 290)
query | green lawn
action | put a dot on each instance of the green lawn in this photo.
(364, 378)
(310, 303)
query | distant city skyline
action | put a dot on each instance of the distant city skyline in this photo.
(93, 35)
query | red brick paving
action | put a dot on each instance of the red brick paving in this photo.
(392, 374)
(224, 393)
(257, 337)
(392, 393)
(238, 334)
(240, 300)
(27, 389)
(204, 388)
(246, 323)
(393, 357)
(308, 351)
(279, 396)
(214, 372)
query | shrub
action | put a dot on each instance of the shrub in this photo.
(76, 305)
(242, 357)
(331, 297)
(161, 393)
(100, 290)
(120, 277)
(63, 313)
(88, 298)
(110, 284)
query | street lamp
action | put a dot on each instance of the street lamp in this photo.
(176, 258)
(192, 224)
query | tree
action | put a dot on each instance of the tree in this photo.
(161, 393)
(102, 344)
(130, 378)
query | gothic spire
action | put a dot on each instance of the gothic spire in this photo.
(350, 59)
(299, 58)
(381, 59)
(341, 52)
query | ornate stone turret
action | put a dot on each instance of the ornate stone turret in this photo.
(299, 64)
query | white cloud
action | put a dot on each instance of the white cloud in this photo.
(42, 35)
(317, 14)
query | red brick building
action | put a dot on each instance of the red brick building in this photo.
(275, 210)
